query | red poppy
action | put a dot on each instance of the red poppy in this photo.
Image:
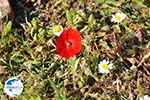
(68, 43)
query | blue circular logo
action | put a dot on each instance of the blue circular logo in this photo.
(13, 87)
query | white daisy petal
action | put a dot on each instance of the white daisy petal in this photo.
(110, 66)
(107, 71)
(146, 97)
(104, 61)
(141, 99)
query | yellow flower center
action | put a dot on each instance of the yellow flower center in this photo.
(68, 44)
(104, 66)
(57, 29)
(117, 18)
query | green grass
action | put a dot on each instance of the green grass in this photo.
(27, 50)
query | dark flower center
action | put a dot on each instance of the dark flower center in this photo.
(68, 44)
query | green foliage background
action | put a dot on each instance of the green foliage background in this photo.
(27, 50)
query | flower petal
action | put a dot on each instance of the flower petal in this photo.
(69, 35)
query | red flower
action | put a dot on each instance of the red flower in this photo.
(68, 43)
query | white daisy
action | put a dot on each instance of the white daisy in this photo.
(58, 30)
(146, 97)
(118, 17)
(104, 66)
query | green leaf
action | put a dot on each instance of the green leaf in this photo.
(1, 85)
(110, 2)
(131, 52)
(34, 23)
(73, 62)
(138, 84)
(91, 20)
(105, 12)
(6, 31)
(100, 1)
(60, 95)
(41, 35)
(69, 16)
(140, 3)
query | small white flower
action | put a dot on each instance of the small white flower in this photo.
(58, 30)
(146, 97)
(118, 17)
(104, 66)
